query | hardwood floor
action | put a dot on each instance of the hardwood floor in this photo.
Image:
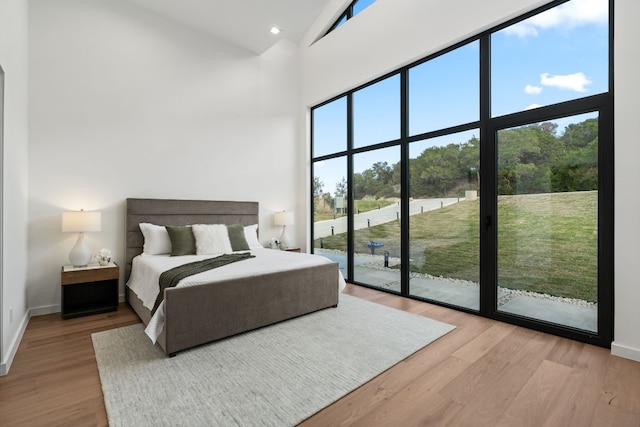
(53, 380)
(484, 373)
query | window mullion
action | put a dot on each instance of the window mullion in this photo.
(488, 207)
(404, 183)
(350, 199)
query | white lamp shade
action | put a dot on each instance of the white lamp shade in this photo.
(283, 218)
(80, 221)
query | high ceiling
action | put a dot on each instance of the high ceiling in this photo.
(245, 23)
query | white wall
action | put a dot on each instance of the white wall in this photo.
(389, 34)
(13, 59)
(627, 176)
(392, 33)
(124, 103)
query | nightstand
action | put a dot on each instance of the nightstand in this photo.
(89, 290)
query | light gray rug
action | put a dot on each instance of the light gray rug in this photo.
(275, 376)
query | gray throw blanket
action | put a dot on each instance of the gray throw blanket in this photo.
(170, 278)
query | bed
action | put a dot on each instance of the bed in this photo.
(212, 309)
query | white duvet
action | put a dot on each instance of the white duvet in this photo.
(146, 270)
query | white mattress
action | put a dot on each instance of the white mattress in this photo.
(146, 270)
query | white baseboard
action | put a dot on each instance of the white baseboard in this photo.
(13, 346)
(47, 309)
(625, 351)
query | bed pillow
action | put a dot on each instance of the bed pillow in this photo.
(236, 236)
(251, 235)
(182, 240)
(211, 239)
(156, 239)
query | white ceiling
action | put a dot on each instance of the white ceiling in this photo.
(245, 23)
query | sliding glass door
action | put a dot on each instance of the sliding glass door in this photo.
(547, 185)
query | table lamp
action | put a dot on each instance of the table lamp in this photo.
(80, 222)
(283, 218)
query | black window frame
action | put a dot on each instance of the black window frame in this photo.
(346, 15)
(602, 103)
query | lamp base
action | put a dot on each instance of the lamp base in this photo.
(284, 240)
(80, 253)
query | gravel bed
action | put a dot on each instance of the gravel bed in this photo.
(377, 263)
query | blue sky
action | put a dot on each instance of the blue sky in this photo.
(555, 56)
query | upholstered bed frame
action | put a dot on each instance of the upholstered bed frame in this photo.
(196, 315)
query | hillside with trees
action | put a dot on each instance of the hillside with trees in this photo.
(531, 159)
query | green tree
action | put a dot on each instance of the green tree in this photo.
(318, 185)
(327, 200)
(379, 181)
(317, 191)
(576, 169)
(531, 159)
(341, 188)
(469, 159)
(524, 159)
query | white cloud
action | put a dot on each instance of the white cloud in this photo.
(532, 90)
(575, 82)
(521, 29)
(532, 106)
(569, 15)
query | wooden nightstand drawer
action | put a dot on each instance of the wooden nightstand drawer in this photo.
(89, 290)
(89, 274)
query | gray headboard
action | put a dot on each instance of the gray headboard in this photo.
(180, 212)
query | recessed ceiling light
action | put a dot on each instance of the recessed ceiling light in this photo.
(275, 30)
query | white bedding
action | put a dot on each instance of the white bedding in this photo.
(146, 270)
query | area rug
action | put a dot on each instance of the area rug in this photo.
(274, 376)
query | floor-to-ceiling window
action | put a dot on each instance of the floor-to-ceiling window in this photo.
(329, 192)
(444, 93)
(481, 176)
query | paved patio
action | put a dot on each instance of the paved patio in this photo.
(465, 294)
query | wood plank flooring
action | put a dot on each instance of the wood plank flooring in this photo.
(484, 373)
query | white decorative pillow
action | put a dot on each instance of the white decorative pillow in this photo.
(251, 234)
(156, 239)
(211, 239)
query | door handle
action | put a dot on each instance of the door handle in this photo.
(487, 222)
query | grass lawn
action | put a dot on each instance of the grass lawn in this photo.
(323, 212)
(369, 205)
(547, 243)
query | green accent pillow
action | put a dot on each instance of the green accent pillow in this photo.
(236, 236)
(182, 240)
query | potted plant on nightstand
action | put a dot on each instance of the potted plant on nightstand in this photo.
(103, 256)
